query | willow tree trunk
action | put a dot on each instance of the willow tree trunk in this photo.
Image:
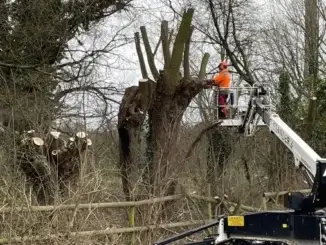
(161, 103)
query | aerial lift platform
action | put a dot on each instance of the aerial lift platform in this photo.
(304, 221)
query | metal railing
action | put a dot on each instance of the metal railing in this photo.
(237, 100)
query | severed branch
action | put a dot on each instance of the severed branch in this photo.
(186, 66)
(150, 56)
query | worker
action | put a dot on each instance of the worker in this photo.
(223, 81)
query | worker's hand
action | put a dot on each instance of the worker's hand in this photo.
(209, 82)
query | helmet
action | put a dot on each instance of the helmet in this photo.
(223, 64)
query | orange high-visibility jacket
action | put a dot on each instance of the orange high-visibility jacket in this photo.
(223, 79)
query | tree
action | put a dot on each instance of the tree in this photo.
(161, 103)
(34, 37)
(311, 66)
(285, 106)
(279, 170)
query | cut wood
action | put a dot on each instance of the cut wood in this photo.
(55, 152)
(89, 142)
(37, 141)
(55, 134)
(81, 135)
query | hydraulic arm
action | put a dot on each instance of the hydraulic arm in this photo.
(304, 222)
(305, 157)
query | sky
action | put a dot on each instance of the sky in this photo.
(120, 67)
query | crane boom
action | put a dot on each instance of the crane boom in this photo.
(304, 156)
(302, 152)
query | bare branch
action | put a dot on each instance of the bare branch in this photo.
(241, 66)
(202, 71)
(186, 66)
(178, 48)
(150, 57)
(165, 42)
(198, 138)
(170, 37)
(157, 46)
(88, 88)
(140, 56)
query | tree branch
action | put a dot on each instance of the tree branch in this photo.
(150, 57)
(98, 91)
(178, 48)
(165, 43)
(186, 67)
(170, 37)
(140, 56)
(200, 135)
(157, 46)
(202, 71)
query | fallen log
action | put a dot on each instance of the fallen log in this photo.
(108, 231)
(90, 205)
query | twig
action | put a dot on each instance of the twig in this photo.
(202, 133)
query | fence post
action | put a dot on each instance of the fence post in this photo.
(209, 206)
(132, 224)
